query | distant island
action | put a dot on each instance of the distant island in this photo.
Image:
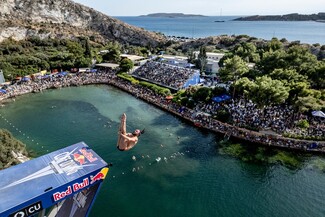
(320, 17)
(172, 15)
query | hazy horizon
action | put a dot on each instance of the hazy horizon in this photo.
(205, 7)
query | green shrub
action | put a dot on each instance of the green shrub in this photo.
(8, 144)
(303, 124)
(223, 115)
(155, 88)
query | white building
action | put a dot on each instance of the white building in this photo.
(137, 60)
(214, 56)
(212, 66)
(180, 61)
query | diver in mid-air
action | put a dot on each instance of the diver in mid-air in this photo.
(126, 141)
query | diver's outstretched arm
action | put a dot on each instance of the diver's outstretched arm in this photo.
(122, 132)
(122, 129)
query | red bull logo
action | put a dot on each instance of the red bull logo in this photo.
(82, 155)
(88, 155)
(99, 176)
(79, 158)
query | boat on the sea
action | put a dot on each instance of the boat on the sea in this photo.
(219, 21)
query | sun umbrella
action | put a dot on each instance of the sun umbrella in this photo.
(217, 99)
(25, 79)
(318, 114)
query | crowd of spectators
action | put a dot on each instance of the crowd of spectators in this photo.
(247, 114)
(205, 120)
(280, 119)
(165, 74)
(240, 112)
(55, 81)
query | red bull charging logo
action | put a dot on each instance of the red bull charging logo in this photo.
(99, 176)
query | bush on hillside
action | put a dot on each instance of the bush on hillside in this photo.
(8, 144)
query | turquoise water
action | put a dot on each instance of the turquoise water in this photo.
(197, 181)
(304, 31)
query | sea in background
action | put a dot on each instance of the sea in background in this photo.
(198, 27)
(194, 178)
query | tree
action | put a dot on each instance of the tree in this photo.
(203, 94)
(126, 65)
(288, 75)
(75, 48)
(190, 56)
(298, 89)
(272, 60)
(80, 63)
(317, 77)
(269, 92)
(234, 68)
(300, 59)
(274, 45)
(7, 144)
(202, 59)
(87, 49)
(245, 87)
(307, 103)
(8, 69)
(113, 55)
(228, 55)
(247, 51)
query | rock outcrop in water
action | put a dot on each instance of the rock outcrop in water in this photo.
(67, 19)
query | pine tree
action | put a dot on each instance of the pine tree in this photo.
(202, 60)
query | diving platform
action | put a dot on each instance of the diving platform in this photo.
(62, 183)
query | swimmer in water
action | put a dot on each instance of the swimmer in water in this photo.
(126, 141)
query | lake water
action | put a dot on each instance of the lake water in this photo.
(195, 180)
(195, 27)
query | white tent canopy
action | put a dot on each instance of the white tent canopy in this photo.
(318, 114)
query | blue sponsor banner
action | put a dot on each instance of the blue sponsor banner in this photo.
(194, 80)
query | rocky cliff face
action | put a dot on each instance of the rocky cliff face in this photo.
(65, 18)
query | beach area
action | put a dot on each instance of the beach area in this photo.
(107, 76)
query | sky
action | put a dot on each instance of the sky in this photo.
(205, 7)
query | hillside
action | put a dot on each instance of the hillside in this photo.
(287, 17)
(67, 19)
